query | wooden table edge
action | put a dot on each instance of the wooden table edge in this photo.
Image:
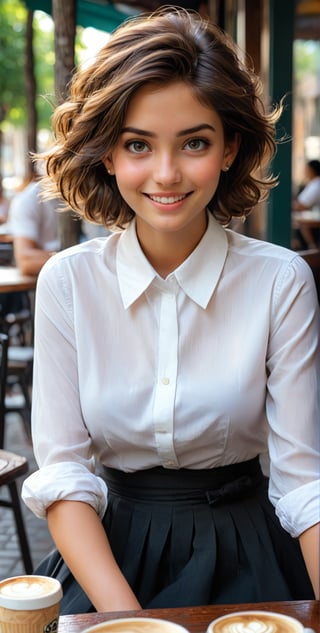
(196, 619)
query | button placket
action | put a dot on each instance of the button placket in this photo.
(163, 410)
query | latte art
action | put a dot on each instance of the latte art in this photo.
(27, 593)
(29, 604)
(25, 589)
(255, 626)
(255, 622)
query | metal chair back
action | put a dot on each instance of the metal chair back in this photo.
(3, 383)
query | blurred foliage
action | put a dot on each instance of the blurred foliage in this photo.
(306, 56)
(12, 44)
(13, 15)
(43, 45)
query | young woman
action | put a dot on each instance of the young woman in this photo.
(169, 355)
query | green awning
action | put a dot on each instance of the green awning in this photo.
(100, 15)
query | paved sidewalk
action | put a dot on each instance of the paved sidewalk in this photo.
(37, 531)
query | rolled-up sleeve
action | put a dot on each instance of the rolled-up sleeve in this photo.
(306, 501)
(64, 481)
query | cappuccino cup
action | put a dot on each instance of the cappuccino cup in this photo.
(137, 625)
(255, 622)
(29, 604)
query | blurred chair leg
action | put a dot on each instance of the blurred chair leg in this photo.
(26, 412)
(12, 465)
(24, 544)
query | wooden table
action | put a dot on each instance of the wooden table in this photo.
(6, 238)
(5, 233)
(196, 619)
(310, 219)
(11, 280)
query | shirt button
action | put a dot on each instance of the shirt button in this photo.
(165, 380)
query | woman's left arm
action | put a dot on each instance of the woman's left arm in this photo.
(293, 409)
(310, 547)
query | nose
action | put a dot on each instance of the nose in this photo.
(166, 169)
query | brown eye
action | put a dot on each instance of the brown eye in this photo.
(137, 147)
(196, 144)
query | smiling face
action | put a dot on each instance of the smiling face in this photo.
(167, 162)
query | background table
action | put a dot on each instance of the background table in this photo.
(309, 219)
(11, 280)
(196, 619)
(5, 233)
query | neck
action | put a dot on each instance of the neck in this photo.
(167, 251)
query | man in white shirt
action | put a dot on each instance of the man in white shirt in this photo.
(34, 225)
(309, 198)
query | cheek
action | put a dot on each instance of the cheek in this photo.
(129, 174)
(207, 173)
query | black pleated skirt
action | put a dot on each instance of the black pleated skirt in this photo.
(194, 537)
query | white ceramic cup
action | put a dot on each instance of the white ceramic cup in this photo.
(255, 621)
(29, 604)
(137, 625)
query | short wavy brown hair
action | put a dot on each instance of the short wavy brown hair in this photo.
(169, 45)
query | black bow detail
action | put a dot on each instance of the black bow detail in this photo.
(233, 490)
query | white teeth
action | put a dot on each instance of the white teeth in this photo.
(167, 200)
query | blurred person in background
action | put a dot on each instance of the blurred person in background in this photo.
(34, 226)
(309, 196)
(308, 199)
(4, 205)
(34, 223)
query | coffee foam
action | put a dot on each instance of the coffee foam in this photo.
(254, 622)
(137, 625)
(29, 592)
(133, 627)
(23, 588)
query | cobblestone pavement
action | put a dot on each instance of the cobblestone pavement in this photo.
(37, 531)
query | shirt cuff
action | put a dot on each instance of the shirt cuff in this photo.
(64, 481)
(299, 509)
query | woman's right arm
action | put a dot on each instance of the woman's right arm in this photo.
(86, 550)
(66, 489)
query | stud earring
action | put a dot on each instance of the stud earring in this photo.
(227, 167)
(109, 171)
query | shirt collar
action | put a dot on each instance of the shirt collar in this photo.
(198, 275)
(134, 271)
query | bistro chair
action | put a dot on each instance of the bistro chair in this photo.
(16, 320)
(16, 317)
(12, 466)
(19, 372)
(6, 253)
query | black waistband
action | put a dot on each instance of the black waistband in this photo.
(162, 484)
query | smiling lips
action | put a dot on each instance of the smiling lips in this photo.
(168, 199)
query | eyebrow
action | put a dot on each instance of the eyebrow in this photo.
(191, 130)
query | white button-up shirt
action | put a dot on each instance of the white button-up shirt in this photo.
(196, 371)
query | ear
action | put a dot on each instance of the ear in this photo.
(107, 161)
(231, 151)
